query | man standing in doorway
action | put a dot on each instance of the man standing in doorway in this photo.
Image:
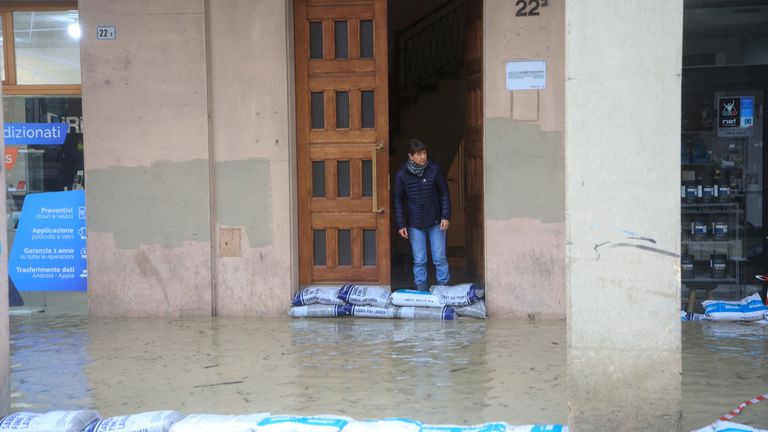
(423, 209)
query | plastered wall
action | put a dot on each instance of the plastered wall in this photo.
(251, 121)
(147, 158)
(524, 168)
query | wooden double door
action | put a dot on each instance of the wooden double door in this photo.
(342, 127)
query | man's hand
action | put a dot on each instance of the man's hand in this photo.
(444, 224)
(403, 232)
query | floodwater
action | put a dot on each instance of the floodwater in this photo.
(464, 372)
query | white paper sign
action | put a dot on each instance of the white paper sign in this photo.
(106, 33)
(526, 75)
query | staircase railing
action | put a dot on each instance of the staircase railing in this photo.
(431, 45)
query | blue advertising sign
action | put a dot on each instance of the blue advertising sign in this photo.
(35, 133)
(49, 252)
(747, 111)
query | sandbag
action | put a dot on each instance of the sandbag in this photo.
(726, 426)
(362, 295)
(320, 311)
(373, 311)
(219, 423)
(52, 421)
(428, 313)
(538, 428)
(153, 421)
(384, 425)
(317, 295)
(406, 297)
(750, 308)
(487, 427)
(476, 310)
(458, 295)
(303, 424)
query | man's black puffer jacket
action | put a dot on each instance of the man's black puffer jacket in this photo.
(427, 198)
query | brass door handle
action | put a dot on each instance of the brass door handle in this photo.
(375, 192)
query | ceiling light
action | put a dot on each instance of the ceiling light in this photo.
(74, 30)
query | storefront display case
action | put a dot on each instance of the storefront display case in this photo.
(721, 190)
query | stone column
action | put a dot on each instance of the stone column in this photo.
(622, 170)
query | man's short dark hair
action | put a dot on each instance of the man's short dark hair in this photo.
(415, 146)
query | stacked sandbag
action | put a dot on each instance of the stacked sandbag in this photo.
(466, 299)
(318, 302)
(153, 421)
(303, 424)
(52, 421)
(219, 423)
(348, 300)
(750, 308)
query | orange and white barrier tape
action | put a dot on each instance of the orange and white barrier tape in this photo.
(743, 405)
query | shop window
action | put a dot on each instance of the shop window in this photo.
(316, 40)
(345, 247)
(369, 247)
(318, 179)
(367, 111)
(342, 110)
(342, 177)
(318, 247)
(366, 39)
(341, 39)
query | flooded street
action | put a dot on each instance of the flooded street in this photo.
(463, 372)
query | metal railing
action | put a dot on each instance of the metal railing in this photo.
(431, 45)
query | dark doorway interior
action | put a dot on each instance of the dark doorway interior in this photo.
(428, 90)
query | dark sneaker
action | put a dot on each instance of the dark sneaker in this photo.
(422, 287)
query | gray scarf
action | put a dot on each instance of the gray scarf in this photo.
(415, 168)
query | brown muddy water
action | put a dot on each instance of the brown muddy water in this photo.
(464, 372)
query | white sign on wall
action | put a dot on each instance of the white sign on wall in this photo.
(526, 75)
(106, 33)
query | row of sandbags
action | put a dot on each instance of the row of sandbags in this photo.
(750, 308)
(173, 421)
(442, 302)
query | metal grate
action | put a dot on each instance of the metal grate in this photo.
(318, 111)
(367, 111)
(345, 247)
(342, 110)
(342, 179)
(316, 40)
(369, 247)
(366, 39)
(341, 39)
(318, 179)
(318, 247)
(367, 179)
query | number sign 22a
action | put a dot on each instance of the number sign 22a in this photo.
(530, 7)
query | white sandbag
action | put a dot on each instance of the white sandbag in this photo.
(487, 427)
(373, 311)
(750, 308)
(153, 421)
(363, 295)
(427, 313)
(476, 310)
(384, 425)
(317, 295)
(303, 424)
(319, 311)
(52, 421)
(726, 426)
(219, 423)
(538, 428)
(406, 297)
(458, 295)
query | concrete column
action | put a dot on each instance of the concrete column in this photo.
(145, 105)
(622, 170)
(251, 99)
(523, 161)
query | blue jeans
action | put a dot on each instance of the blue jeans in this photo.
(418, 238)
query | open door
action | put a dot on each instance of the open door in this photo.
(472, 148)
(342, 140)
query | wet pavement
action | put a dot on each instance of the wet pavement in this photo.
(463, 372)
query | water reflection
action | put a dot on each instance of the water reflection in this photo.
(441, 372)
